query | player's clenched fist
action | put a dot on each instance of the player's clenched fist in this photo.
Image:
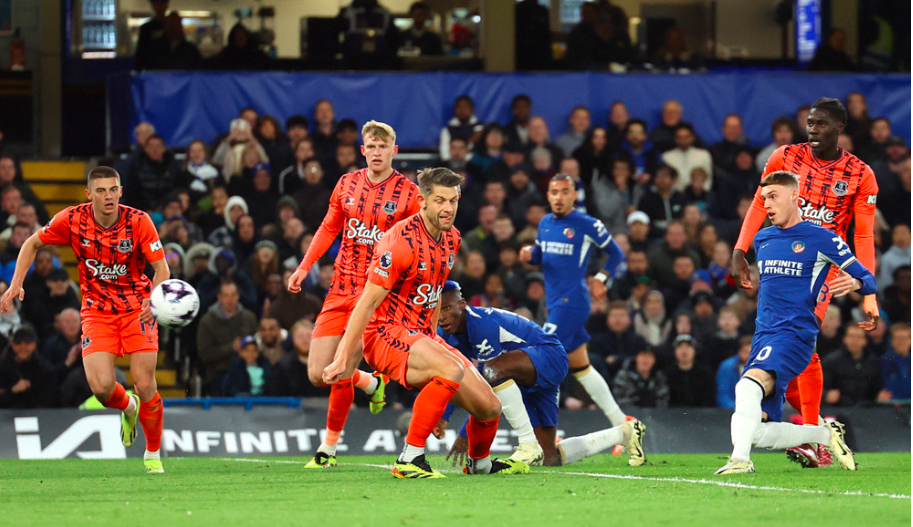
(14, 291)
(294, 281)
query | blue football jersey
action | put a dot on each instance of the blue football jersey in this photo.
(562, 248)
(794, 264)
(491, 332)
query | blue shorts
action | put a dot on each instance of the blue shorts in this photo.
(567, 323)
(541, 405)
(550, 361)
(786, 356)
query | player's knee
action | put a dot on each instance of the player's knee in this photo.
(101, 388)
(491, 409)
(494, 375)
(145, 388)
(451, 370)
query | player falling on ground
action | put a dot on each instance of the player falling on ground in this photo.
(562, 246)
(112, 244)
(834, 187)
(525, 367)
(794, 260)
(364, 205)
(397, 317)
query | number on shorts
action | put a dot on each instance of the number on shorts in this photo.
(550, 328)
(764, 353)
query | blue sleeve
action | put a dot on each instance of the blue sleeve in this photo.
(463, 433)
(857, 270)
(615, 266)
(448, 412)
(537, 254)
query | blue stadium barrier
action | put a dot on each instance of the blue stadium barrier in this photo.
(247, 402)
(188, 105)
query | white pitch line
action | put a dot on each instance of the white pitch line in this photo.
(718, 483)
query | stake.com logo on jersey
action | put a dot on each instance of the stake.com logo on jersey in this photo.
(104, 272)
(427, 296)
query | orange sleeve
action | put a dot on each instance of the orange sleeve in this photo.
(864, 210)
(57, 231)
(330, 226)
(756, 213)
(148, 239)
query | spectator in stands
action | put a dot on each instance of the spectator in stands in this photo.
(533, 45)
(725, 342)
(888, 171)
(275, 143)
(650, 321)
(248, 371)
(895, 365)
(289, 308)
(640, 149)
(10, 176)
(578, 124)
(663, 136)
(641, 383)
(10, 201)
(26, 214)
(241, 53)
(685, 157)
(581, 37)
(875, 149)
(783, 131)
(290, 374)
(292, 230)
(199, 174)
(270, 338)
(273, 287)
(263, 262)
(230, 151)
(535, 211)
(219, 335)
(538, 137)
(296, 128)
(674, 53)
(324, 132)
(261, 198)
(489, 148)
(369, 36)
(172, 211)
(152, 41)
(419, 37)
(617, 345)
(154, 175)
(674, 245)
(617, 123)
(896, 297)
(492, 295)
(313, 194)
(690, 382)
(601, 44)
(512, 155)
(662, 202)
(62, 349)
(463, 124)
(639, 231)
(723, 153)
(223, 267)
(244, 239)
(740, 180)
(896, 256)
(41, 309)
(172, 51)
(27, 380)
(895, 203)
(291, 178)
(593, 155)
(512, 272)
(21, 232)
(858, 120)
(517, 130)
(9, 322)
(615, 196)
(235, 207)
(850, 376)
(35, 283)
(521, 193)
(831, 54)
(730, 372)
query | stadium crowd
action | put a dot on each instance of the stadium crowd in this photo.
(237, 214)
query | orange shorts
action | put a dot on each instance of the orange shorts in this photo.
(825, 295)
(118, 334)
(387, 350)
(334, 315)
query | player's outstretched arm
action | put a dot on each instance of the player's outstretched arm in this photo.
(23, 263)
(750, 226)
(371, 298)
(329, 228)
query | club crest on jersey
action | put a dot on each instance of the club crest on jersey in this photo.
(798, 246)
(390, 207)
(125, 246)
(569, 232)
(450, 261)
(840, 188)
(386, 260)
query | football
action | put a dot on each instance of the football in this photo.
(174, 303)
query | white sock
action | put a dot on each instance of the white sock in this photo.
(479, 466)
(152, 455)
(577, 448)
(746, 418)
(375, 382)
(329, 450)
(515, 411)
(598, 389)
(131, 406)
(787, 435)
(411, 452)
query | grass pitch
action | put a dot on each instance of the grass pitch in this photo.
(671, 490)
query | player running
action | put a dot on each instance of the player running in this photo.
(366, 203)
(562, 246)
(512, 351)
(794, 259)
(397, 317)
(112, 244)
(834, 187)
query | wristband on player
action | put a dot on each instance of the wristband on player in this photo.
(602, 277)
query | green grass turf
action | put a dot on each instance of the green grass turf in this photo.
(276, 491)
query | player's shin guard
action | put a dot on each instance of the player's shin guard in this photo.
(576, 448)
(811, 385)
(598, 389)
(746, 418)
(481, 434)
(341, 396)
(514, 410)
(119, 399)
(151, 416)
(428, 408)
(787, 435)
